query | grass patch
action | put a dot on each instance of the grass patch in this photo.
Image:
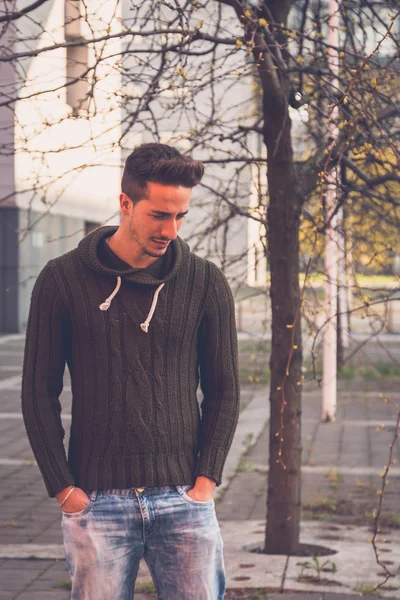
(391, 519)
(362, 484)
(257, 376)
(388, 370)
(65, 584)
(145, 586)
(317, 516)
(255, 346)
(247, 594)
(315, 568)
(219, 495)
(13, 523)
(321, 504)
(365, 589)
(244, 466)
(374, 372)
(334, 478)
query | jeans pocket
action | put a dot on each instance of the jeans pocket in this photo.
(182, 491)
(85, 510)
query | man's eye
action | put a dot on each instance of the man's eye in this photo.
(179, 217)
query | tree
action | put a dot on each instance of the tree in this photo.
(221, 80)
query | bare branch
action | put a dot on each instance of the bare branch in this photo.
(8, 17)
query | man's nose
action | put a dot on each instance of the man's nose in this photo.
(170, 230)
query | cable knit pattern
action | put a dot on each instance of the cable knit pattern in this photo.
(136, 421)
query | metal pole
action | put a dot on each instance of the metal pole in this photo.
(331, 291)
(329, 381)
(342, 276)
(351, 281)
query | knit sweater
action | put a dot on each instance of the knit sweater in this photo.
(137, 343)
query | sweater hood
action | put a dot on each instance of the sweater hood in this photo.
(88, 251)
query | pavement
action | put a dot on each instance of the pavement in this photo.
(342, 463)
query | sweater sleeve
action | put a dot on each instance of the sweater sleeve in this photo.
(219, 378)
(42, 380)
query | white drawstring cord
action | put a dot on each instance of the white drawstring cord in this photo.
(107, 303)
(145, 326)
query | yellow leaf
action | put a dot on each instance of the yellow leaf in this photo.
(263, 22)
(239, 43)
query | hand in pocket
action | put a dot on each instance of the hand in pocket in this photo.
(77, 501)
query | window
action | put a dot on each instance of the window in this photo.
(77, 58)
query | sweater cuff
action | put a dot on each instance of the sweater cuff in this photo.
(211, 463)
(52, 492)
(56, 484)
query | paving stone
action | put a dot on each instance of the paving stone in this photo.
(259, 453)
(45, 585)
(41, 595)
(16, 584)
(24, 565)
(351, 441)
(239, 500)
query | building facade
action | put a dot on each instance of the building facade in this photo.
(65, 139)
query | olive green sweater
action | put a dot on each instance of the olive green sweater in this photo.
(137, 343)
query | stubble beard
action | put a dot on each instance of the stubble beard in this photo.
(144, 249)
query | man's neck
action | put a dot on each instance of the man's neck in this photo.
(124, 252)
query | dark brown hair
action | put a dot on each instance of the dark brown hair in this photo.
(158, 163)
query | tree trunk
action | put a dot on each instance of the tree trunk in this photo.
(284, 479)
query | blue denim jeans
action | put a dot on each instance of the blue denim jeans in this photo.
(179, 538)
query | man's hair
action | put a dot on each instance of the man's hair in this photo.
(158, 163)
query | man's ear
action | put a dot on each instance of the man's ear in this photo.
(125, 203)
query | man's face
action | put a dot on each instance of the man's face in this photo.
(154, 221)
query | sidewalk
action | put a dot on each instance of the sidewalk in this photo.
(342, 462)
(341, 466)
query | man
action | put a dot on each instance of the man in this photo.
(139, 319)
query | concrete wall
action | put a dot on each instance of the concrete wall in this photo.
(48, 236)
(8, 212)
(69, 165)
(65, 170)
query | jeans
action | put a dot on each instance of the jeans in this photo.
(179, 538)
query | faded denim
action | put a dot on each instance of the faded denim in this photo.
(178, 537)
